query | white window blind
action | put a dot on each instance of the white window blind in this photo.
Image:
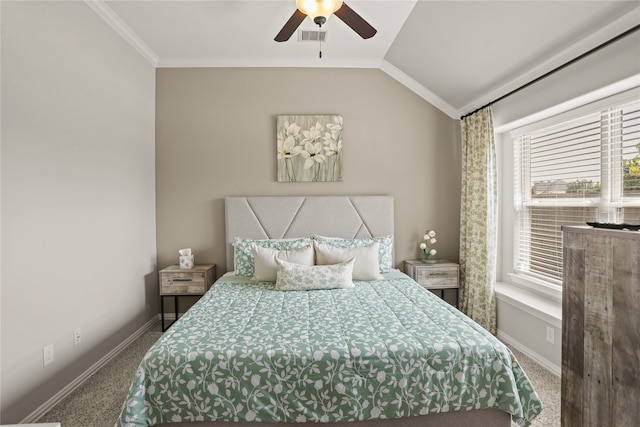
(630, 135)
(631, 163)
(579, 170)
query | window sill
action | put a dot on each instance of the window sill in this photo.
(536, 286)
(547, 309)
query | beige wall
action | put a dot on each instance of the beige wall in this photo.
(78, 197)
(215, 137)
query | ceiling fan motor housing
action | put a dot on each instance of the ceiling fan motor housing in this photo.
(319, 20)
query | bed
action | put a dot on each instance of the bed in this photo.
(377, 352)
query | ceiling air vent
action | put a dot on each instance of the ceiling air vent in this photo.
(312, 36)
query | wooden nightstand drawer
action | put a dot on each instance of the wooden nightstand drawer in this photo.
(438, 277)
(442, 277)
(182, 283)
(194, 281)
(176, 282)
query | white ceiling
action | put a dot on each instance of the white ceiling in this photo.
(456, 54)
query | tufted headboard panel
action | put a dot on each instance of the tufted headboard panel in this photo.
(292, 216)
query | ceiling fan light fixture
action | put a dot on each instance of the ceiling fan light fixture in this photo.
(318, 10)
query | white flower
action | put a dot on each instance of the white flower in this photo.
(292, 129)
(312, 154)
(255, 380)
(336, 126)
(288, 148)
(288, 137)
(429, 239)
(313, 134)
(333, 138)
(331, 146)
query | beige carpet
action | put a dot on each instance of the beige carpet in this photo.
(548, 387)
(98, 401)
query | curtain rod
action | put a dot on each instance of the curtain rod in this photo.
(566, 64)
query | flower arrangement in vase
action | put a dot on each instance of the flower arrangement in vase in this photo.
(429, 239)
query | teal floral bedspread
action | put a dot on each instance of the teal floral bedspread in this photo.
(385, 349)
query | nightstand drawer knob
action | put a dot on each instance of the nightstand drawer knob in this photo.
(182, 280)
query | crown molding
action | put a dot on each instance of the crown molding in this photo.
(111, 18)
(419, 89)
(310, 62)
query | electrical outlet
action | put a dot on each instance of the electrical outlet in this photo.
(77, 337)
(551, 335)
(47, 354)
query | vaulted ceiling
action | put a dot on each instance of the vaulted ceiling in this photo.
(458, 55)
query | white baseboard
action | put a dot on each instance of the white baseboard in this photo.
(69, 388)
(540, 360)
(169, 316)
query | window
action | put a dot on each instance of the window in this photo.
(586, 168)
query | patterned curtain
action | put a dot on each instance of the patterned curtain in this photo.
(478, 220)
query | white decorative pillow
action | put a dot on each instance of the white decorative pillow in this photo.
(298, 277)
(385, 255)
(265, 267)
(366, 265)
(243, 256)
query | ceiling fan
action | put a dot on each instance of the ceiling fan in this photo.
(319, 11)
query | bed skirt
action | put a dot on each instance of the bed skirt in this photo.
(475, 418)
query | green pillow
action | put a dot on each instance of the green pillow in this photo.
(385, 255)
(244, 264)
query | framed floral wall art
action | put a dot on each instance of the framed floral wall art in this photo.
(309, 148)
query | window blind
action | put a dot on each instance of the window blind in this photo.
(630, 136)
(579, 170)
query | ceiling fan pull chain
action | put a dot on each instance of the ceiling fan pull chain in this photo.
(320, 39)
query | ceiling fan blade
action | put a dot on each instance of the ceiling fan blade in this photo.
(291, 26)
(355, 21)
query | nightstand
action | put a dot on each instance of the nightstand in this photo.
(176, 282)
(440, 276)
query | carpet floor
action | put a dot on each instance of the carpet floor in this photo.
(98, 401)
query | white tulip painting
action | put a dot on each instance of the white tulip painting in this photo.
(309, 148)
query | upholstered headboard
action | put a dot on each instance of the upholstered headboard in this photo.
(290, 217)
